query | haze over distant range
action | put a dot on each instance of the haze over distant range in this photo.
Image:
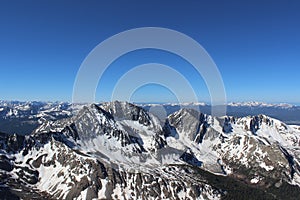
(254, 44)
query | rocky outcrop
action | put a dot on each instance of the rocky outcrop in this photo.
(127, 111)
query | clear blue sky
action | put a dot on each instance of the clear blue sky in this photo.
(255, 44)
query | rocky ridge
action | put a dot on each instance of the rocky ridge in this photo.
(118, 150)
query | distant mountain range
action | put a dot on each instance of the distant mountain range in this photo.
(289, 114)
(118, 150)
(24, 117)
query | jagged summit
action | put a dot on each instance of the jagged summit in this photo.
(119, 150)
(128, 111)
(24, 117)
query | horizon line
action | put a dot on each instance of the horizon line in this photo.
(204, 103)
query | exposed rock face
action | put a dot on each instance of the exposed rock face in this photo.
(119, 151)
(12, 143)
(227, 128)
(254, 124)
(192, 124)
(5, 163)
(128, 111)
(189, 157)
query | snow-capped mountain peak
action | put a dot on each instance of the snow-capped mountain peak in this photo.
(117, 150)
(260, 104)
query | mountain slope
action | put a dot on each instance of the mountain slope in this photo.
(24, 117)
(117, 150)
